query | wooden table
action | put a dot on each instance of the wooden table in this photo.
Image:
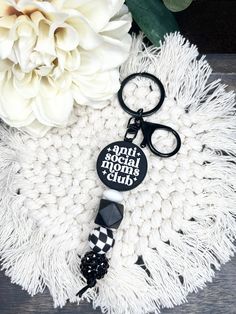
(217, 298)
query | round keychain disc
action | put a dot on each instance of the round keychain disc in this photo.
(122, 166)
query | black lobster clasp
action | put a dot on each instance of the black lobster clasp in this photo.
(148, 128)
(136, 122)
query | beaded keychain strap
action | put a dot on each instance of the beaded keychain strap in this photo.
(121, 166)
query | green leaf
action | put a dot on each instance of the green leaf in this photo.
(154, 19)
(177, 5)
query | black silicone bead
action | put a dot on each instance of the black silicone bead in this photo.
(110, 214)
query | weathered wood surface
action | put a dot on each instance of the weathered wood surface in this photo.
(217, 298)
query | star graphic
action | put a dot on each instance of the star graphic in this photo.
(135, 179)
(104, 172)
(108, 149)
(138, 154)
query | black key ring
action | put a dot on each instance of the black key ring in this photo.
(136, 122)
(130, 78)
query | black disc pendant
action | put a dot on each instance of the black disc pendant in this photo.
(122, 166)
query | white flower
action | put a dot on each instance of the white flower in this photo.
(54, 54)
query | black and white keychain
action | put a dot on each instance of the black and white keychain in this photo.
(121, 166)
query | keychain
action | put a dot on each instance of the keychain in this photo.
(121, 166)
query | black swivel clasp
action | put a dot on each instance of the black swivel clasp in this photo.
(133, 126)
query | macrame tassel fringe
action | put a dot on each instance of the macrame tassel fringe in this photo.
(31, 259)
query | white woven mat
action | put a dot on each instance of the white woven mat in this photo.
(180, 220)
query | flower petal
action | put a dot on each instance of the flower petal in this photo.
(89, 39)
(5, 65)
(29, 86)
(89, 64)
(4, 7)
(26, 6)
(45, 42)
(103, 86)
(6, 40)
(118, 28)
(53, 111)
(17, 123)
(14, 106)
(111, 54)
(66, 37)
(97, 12)
(24, 45)
(36, 129)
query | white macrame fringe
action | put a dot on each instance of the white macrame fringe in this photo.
(31, 259)
(173, 269)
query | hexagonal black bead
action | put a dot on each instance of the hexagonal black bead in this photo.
(110, 214)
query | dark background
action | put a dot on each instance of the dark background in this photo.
(211, 25)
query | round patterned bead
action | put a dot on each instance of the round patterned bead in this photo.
(101, 240)
(94, 266)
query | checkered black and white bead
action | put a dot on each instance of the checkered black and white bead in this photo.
(101, 240)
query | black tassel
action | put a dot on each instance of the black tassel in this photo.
(83, 290)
